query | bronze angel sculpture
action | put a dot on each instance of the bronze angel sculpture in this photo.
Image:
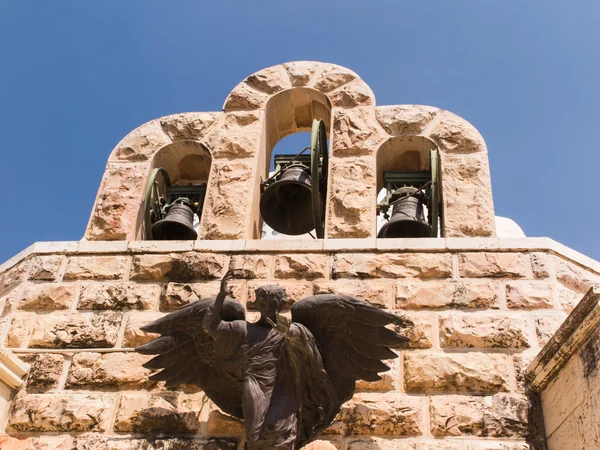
(286, 379)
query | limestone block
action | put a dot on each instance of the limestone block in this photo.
(222, 424)
(223, 218)
(101, 370)
(417, 327)
(468, 372)
(103, 442)
(377, 292)
(455, 135)
(377, 443)
(134, 336)
(521, 362)
(117, 207)
(300, 72)
(392, 265)
(73, 412)
(353, 94)
(20, 330)
(76, 330)
(446, 294)
(492, 265)
(96, 268)
(47, 296)
(236, 137)
(405, 119)
(118, 296)
(389, 380)
(501, 415)
(588, 418)
(179, 266)
(46, 267)
(574, 276)
(383, 414)
(529, 295)
(45, 370)
(62, 442)
(356, 132)
(567, 436)
(175, 295)
(295, 291)
(251, 266)
(244, 97)
(159, 412)
(270, 80)
(142, 143)
(188, 126)
(467, 196)
(546, 325)
(540, 264)
(483, 331)
(494, 445)
(568, 298)
(13, 276)
(320, 445)
(302, 266)
(351, 204)
(332, 77)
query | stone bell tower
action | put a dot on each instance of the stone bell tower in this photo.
(478, 309)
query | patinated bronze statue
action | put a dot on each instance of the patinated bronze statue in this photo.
(286, 379)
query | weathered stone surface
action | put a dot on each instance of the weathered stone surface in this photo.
(295, 290)
(76, 330)
(574, 276)
(483, 331)
(96, 268)
(356, 93)
(468, 372)
(62, 442)
(376, 443)
(529, 295)
(270, 80)
(222, 424)
(251, 266)
(405, 119)
(20, 330)
(484, 264)
(300, 72)
(179, 266)
(96, 370)
(47, 296)
(117, 206)
(46, 267)
(175, 295)
(159, 412)
(501, 415)
(540, 264)
(455, 135)
(546, 325)
(568, 298)
(467, 196)
(222, 218)
(521, 362)
(389, 380)
(384, 414)
(142, 143)
(244, 98)
(60, 412)
(302, 266)
(45, 370)
(356, 132)
(417, 327)
(377, 292)
(188, 126)
(392, 265)
(493, 445)
(333, 77)
(134, 337)
(350, 205)
(446, 294)
(320, 445)
(13, 276)
(236, 137)
(120, 296)
(103, 442)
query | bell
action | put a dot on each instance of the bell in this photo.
(408, 220)
(286, 205)
(177, 225)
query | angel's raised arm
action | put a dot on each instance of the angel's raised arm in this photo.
(212, 323)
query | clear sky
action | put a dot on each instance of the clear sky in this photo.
(75, 77)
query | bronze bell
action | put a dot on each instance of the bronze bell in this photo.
(408, 217)
(178, 225)
(286, 205)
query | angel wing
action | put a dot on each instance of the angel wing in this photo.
(186, 354)
(351, 336)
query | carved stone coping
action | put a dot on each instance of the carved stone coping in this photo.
(12, 369)
(568, 339)
(318, 245)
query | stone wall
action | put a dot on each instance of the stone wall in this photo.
(477, 311)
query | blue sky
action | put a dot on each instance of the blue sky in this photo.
(77, 76)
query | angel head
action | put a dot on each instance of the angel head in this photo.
(270, 299)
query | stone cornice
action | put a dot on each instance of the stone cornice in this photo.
(12, 369)
(568, 339)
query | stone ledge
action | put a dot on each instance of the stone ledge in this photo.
(568, 339)
(12, 369)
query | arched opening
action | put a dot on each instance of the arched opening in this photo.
(407, 188)
(287, 129)
(176, 191)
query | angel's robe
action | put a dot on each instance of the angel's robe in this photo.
(284, 380)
